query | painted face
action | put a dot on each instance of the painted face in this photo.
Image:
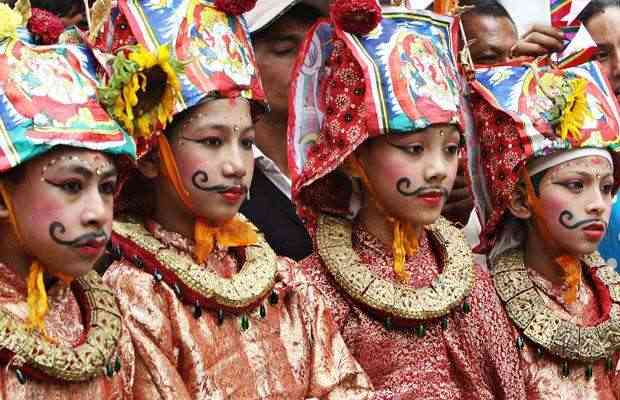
(604, 28)
(491, 37)
(213, 150)
(64, 208)
(576, 201)
(413, 174)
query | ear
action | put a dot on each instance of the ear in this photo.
(149, 166)
(518, 203)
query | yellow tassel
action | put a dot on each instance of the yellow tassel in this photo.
(572, 270)
(37, 298)
(234, 233)
(404, 244)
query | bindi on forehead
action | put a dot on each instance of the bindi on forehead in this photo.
(99, 165)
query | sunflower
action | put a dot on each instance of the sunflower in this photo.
(575, 109)
(143, 89)
(10, 20)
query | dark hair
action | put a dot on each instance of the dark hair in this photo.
(596, 7)
(300, 12)
(14, 175)
(491, 8)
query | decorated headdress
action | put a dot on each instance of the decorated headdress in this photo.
(165, 57)
(524, 112)
(366, 72)
(48, 98)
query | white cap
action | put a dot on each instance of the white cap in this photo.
(543, 163)
(267, 11)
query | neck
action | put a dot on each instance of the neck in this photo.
(170, 213)
(271, 140)
(378, 225)
(539, 258)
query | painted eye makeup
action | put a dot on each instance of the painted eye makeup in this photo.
(108, 187)
(70, 186)
(575, 186)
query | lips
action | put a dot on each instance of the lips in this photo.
(594, 231)
(91, 248)
(432, 198)
(234, 194)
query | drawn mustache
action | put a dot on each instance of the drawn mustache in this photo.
(200, 179)
(403, 186)
(57, 228)
(567, 216)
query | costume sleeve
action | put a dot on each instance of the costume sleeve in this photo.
(335, 374)
(144, 305)
(492, 341)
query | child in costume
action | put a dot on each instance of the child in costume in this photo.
(374, 137)
(544, 164)
(213, 312)
(61, 330)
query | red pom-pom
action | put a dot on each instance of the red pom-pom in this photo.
(45, 26)
(356, 16)
(235, 7)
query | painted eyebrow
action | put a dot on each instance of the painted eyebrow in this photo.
(87, 173)
(225, 128)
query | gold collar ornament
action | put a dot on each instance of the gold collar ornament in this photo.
(33, 355)
(396, 302)
(192, 282)
(544, 327)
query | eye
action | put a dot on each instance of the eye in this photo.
(416, 149)
(71, 186)
(108, 188)
(607, 188)
(601, 56)
(452, 149)
(247, 143)
(211, 141)
(573, 186)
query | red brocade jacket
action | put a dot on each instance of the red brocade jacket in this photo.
(64, 325)
(474, 358)
(290, 350)
(543, 374)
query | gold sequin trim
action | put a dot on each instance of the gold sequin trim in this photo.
(447, 290)
(255, 279)
(544, 327)
(74, 364)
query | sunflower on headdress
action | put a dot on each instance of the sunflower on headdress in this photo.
(10, 20)
(142, 89)
(570, 105)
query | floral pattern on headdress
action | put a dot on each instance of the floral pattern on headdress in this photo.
(524, 112)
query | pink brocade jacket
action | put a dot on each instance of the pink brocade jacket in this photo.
(294, 352)
(474, 358)
(543, 374)
(63, 323)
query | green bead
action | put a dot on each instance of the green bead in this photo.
(565, 369)
(520, 343)
(588, 372)
(245, 322)
(197, 310)
(466, 308)
(220, 317)
(609, 364)
(444, 323)
(177, 290)
(388, 323)
(109, 370)
(262, 311)
(117, 364)
(420, 331)
(20, 376)
(273, 298)
(539, 352)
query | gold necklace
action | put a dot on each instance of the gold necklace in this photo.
(192, 282)
(544, 327)
(34, 356)
(398, 302)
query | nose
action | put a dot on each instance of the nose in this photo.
(436, 169)
(234, 166)
(97, 209)
(597, 204)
